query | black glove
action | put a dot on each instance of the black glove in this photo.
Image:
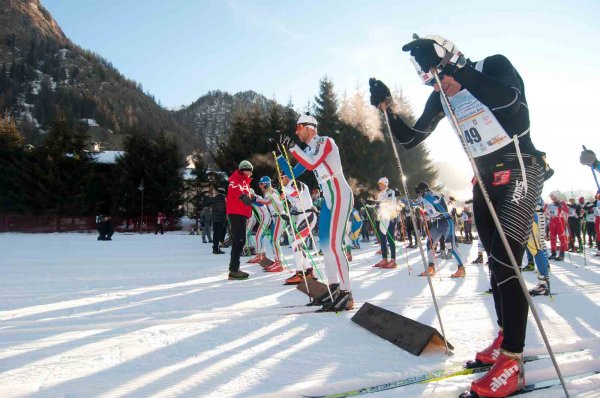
(424, 52)
(286, 141)
(285, 218)
(273, 144)
(427, 54)
(588, 158)
(246, 199)
(379, 91)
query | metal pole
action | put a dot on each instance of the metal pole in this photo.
(499, 228)
(414, 222)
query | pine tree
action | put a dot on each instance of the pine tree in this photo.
(197, 197)
(158, 165)
(326, 109)
(63, 169)
(14, 163)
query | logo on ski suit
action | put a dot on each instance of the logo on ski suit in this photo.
(519, 192)
(500, 381)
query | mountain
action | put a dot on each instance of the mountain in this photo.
(210, 116)
(43, 75)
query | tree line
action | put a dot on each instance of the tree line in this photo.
(60, 177)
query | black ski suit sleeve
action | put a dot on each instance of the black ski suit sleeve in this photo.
(410, 137)
(500, 88)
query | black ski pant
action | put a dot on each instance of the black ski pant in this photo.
(387, 239)
(218, 234)
(514, 206)
(575, 231)
(237, 223)
(468, 232)
(590, 228)
(410, 231)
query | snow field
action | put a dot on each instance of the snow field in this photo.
(155, 316)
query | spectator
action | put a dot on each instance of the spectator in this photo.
(219, 219)
(160, 221)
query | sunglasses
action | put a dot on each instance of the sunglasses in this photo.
(432, 82)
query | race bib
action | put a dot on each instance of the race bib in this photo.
(553, 210)
(572, 212)
(481, 130)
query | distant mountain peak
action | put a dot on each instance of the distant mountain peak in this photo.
(28, 18)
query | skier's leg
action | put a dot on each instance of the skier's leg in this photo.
(390, 239)
(381, 233)
(238, 239)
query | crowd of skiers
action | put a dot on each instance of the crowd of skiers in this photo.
(485, 102)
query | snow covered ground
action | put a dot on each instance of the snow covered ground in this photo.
(155, 316)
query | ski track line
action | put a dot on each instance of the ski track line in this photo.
(148, 319)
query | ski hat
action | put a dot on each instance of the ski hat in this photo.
(307, 120)
(444, 48)
(384, 181)
(245, 165)
(422, 187)
(265, 180)
(582, 200)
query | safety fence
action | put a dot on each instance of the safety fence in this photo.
(48, 224)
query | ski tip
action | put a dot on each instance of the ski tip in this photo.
(468, 394)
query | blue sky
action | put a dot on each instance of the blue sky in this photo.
(179, 50)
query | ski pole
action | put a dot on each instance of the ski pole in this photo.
(498, 225)
(414, 222)
(593, 171)
(294, 227)
(287, 160)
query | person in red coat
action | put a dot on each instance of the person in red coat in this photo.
(557, 212)
(239, 199)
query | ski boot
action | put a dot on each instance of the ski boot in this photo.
(343, 302)
(295, 279)
(479, 259)
(529, 267)
(552, 255)
(274, 267)
(390, 264)
(543, 287)
(460, 273)
(325, 299)
(309, 273)
(489, 355)
(238, 275)
(430, 270)
(561, 256)
(506, 377)
(381, 263)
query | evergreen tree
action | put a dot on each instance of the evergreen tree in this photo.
(158, 165)
(326, 109)
(14, 166)
(197, 198)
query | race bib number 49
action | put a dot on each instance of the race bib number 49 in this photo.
(480, 128)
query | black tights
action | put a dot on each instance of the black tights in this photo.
(514, 208)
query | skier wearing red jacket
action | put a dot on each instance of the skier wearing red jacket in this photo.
(239, 208)
(557, 212)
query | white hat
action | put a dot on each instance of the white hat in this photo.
(308, 120)
(384, 181)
